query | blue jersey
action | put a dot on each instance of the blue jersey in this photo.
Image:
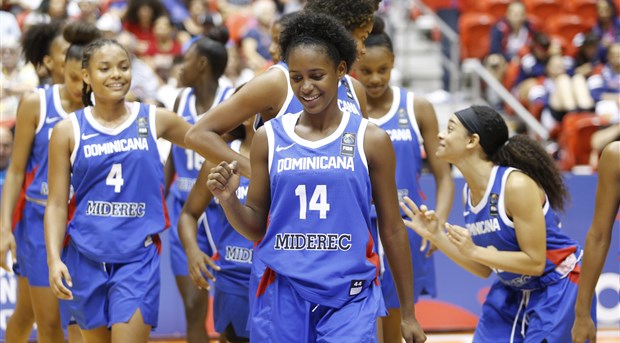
(400, 123)
(489, 225)
(234, 252)
(319, 231)
(347, 99)
(187, 162)
(118, 180)
(50, 113)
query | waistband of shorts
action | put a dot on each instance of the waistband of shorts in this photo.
(42, 202)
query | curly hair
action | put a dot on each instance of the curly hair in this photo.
(352, 14)
(131, 14)
(37, 41)
(318, 30)
(522, 153)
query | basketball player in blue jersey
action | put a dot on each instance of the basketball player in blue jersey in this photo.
(38, 114)
(203, 65)
(233, 255)
(314, 174)
(410, 121)
(107, 275)
(597, 243)
(513, 190)
(270, 93)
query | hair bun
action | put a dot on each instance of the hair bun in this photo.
(81, 33)
(378, 26)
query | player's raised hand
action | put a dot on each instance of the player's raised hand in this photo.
(421, 220)
(223, 180)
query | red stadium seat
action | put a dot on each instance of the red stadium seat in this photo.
(566, 26)
(586, 9)
(475, 34)
(574, 139)
(543, 9)
(496, 8)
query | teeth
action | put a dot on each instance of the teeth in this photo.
(312, 98)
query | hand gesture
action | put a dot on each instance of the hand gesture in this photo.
(59, 272)
(412, 331)
(422, 220)
(7, 243)
(461, 238)
(224, 180)
(197, 262)
(583, 329)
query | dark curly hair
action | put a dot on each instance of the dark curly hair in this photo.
(89, 50)
(378, 37)
(131, 14)
(79, 34)
(522, 153)
(322, 30)
(350, 13)
(37, 41)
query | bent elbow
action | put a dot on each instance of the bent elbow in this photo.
(190, 137)
(538, 268)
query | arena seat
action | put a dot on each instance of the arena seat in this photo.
(574, 138)
(566, 26)
(475, 34)
(543, 9)
(586, 9)
(496, 8)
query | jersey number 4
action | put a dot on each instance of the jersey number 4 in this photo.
(115, 177)
(318, 201)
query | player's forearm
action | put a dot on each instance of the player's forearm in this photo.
(212, 147)
(597, 246)
(398, 253)
(188, 231)
(244, 219)
(10, 194)
(55, 230)
(517, 262)
(442, 243)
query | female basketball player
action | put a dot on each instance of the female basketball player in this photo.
(512, 190)
(233, 252)
(37, 115)
(108, 277)
(203, 65)
(597, 243)
(410, 121)
(270, 93)
(314, 174)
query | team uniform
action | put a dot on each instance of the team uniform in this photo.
(29, 211)
(400, 123)
(113, 250)
(523, 308)
(234, 257)
(320, 212)
(187, 164)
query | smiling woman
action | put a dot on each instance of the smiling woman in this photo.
(321, 265)
(108, 154)
(37, 116)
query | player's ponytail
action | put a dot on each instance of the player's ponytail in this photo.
(378, 37)
(79, 34)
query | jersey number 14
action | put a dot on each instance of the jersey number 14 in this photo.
(318, 201)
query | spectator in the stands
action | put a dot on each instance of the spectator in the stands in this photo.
(511, 35)
(257, 39)
(607, 26)
(139, 20)
(605, 86)
(532, 65)
(16, 79)
(162, 51)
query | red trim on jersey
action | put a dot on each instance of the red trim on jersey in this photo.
(66, 241)
(163, 202)
(157, 242)
(373, 257)
(71, 209)
(216, 256)
(268, 278)
(559, 255)
(574, 274)
(18, 212)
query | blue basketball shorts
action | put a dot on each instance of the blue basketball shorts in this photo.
(178, 258)
(281, 315)
(231, 309)
(35, 262)
(111, 293)
(511, 315)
